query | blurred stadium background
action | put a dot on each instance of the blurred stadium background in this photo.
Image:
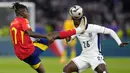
(49, 15)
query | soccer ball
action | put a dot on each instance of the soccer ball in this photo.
(76, 11)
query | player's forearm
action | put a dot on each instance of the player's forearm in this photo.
(36, 35)
(113, 34)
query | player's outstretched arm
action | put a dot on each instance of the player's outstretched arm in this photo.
(34, 34)
(53, 35)
(49, 37)
(60, 35)
(114, 35)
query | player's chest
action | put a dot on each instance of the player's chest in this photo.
(86, 36)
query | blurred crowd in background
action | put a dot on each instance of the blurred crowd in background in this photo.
(51, 14)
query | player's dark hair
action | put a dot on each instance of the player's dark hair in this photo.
(16, 6)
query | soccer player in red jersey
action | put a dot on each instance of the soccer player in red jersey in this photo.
(21, 32)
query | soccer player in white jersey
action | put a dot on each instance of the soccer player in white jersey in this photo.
(89, 40)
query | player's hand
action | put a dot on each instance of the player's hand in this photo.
(82, 25)
(68, 39)
(50, 38)
(124, 44)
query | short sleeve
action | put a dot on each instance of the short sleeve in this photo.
(25, 24)
(95, 28)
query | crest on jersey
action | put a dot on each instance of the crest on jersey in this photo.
(90, 34)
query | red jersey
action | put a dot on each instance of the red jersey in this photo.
(23, 45)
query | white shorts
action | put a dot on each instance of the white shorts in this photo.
(83, 62)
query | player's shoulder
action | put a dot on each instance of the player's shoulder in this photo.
(91, 25)
(15, 22)
(23, 20)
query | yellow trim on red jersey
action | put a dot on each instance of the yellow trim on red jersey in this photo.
(15, 33)
(22, 35)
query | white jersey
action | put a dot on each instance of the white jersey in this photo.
(90, 40)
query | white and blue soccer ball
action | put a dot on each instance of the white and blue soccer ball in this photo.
(76, 11)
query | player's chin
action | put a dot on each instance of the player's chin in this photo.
(76, 25)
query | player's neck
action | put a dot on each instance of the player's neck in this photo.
(20, 16)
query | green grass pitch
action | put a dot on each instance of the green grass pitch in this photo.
(52, 65)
